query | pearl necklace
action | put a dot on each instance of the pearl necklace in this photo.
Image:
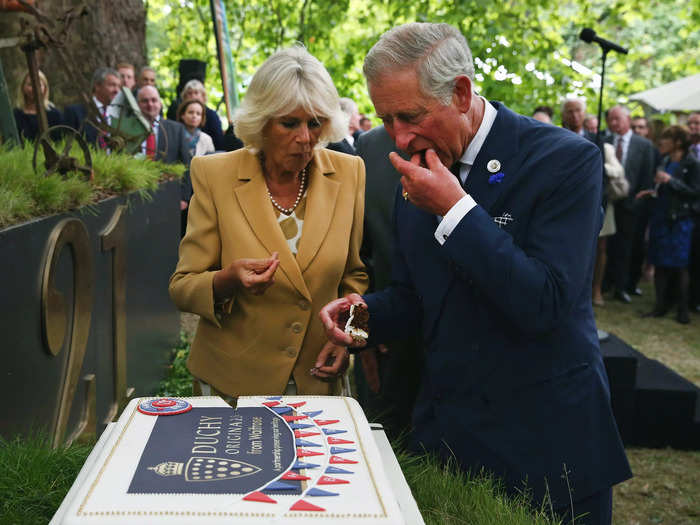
(300, 193)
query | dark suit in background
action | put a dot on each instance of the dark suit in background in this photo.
(400, 368)
(75, 116)
(631, 215)
(28, 123)
(343, 147)
(171, 144)
(513, 379)
(171, 148)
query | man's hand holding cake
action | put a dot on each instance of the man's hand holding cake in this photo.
(346, 321)
(335, 316)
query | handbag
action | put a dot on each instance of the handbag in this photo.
(616, 184)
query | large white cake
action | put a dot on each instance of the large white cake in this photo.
(272, 460)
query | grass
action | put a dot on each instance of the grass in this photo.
(446, 495)
(25, 194)
(35, 478)
(666, 486)
(675, 345)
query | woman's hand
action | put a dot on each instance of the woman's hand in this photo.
(644, 193)
(331, 362)
(329, 318)
(252, 275)
(662, 177)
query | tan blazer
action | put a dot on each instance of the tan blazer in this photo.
(258, 341)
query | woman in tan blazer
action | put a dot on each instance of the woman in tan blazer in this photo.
(273, 234)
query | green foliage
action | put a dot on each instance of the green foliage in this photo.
(35, 478)
(523, 49)
(25, 194)
(178, 383)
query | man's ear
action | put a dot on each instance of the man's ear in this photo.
(462, 93)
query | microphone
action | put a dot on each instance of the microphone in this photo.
(588, 35)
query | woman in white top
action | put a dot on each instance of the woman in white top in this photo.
(192, 114)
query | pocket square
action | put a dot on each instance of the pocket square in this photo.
(503, 220)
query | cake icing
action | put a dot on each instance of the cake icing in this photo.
(272, 460)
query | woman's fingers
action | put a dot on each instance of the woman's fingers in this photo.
(331, 361)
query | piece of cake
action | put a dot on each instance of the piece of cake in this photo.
(355, 321)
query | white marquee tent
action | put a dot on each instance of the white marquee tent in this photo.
(679, 95)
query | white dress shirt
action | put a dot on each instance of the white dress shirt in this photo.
(452, 218)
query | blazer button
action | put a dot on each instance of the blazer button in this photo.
(304, 304)
(296, 327)
(291, 351)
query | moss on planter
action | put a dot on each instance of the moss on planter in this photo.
(26, 195)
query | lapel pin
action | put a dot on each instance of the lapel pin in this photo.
(496, 178)
(493, 165)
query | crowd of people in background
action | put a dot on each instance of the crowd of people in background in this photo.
(650, 228)
(650, 206)
(191, 128)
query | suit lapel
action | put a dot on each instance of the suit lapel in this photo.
(501, 144)
(320, 201)
(254, 202)
(161, 142)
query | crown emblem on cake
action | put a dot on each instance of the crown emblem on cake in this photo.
(206, 469)
(168, 468)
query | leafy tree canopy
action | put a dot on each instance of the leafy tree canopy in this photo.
(527, 52)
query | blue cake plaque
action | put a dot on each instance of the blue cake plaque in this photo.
(214, 451)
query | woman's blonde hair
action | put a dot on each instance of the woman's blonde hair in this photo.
(291, 78)
(22, 101)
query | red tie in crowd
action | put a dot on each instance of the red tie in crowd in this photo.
(151, 146)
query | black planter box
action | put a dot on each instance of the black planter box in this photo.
(35, 383)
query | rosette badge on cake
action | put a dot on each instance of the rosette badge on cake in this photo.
(355, 321)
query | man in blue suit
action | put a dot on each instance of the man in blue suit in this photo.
(106, 83)
(495, 232)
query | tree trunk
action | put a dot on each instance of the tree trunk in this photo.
(113, 31)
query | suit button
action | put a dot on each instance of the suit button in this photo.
(291, 351)
(304, 304)
(296, 327)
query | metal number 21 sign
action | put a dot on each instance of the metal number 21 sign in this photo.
(71, 232)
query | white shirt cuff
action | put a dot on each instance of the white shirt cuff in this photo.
(453, 217)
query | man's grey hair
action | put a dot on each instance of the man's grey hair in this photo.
(101, 73)
(290, 79)
(581, 101)
(146, 68)
(624, 109)
(139, 90)
(437, 52)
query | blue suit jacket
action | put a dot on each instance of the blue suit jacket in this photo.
(513, 378)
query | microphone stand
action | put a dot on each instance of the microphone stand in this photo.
(600, 98)
(602, 334)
